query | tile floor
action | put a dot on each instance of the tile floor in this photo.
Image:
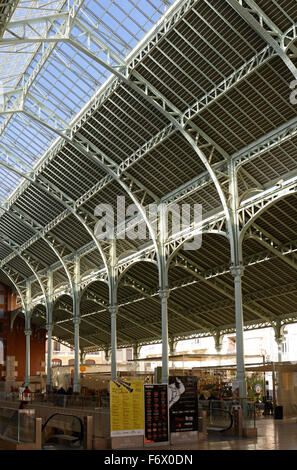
(273, 434)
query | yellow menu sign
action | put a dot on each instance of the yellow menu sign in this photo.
(126, 407)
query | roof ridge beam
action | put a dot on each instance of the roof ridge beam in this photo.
(256, 21)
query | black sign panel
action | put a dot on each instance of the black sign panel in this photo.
(183, 405)
(156, 413)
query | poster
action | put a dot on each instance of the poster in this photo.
(126, 407)
(183, 404)
(156, 413)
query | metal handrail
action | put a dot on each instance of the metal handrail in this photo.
(218, 408)
(81, 434)
(226, 413)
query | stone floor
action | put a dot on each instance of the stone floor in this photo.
(273, 434)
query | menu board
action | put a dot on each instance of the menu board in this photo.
(183, 405)
(156, 413)
(126, 407)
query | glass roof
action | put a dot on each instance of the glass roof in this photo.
(68, 78)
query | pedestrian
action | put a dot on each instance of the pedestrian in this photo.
(26, 395)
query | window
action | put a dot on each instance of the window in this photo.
(119, 355)
(231, 344)
(129, 354)
(57, 346)
(285, 347)
(56, 362)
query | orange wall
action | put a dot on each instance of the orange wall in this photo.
(15, 341)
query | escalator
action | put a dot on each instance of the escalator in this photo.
(63, 431)
(219, 419)
(219, 416)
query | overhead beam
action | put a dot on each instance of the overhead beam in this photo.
(255, 21)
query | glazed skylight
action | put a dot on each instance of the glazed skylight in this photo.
(68, 78)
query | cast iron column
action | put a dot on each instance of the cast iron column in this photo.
(237, 272)
(76, 321)
(164, 290)
(113, 309)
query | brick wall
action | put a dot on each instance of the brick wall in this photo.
(14, 341)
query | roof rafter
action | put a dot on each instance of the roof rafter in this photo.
(244, 8)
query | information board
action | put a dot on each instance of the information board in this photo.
(126, 407)
(156, 413)
(183, 404)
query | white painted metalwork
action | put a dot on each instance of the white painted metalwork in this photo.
(198, 112)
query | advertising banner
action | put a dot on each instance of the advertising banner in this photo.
(126, 407)
(183, 404)
(156, 413)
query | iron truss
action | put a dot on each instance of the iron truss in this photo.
(197, 111)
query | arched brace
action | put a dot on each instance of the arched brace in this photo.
(60, 197)
(13, 318)
(87, 287)
(105, 166)
(32, 269)
(278, 328)
(150, 94)
(34, 308)
(105, 163)
(256, 23)
(218, 338)
(102, 162)
(289, 38)
(264, 206)
(248, 191)
(58, 298)
(132, 263)
(96, 241)
(203, 231)
(20, 216)
(15, 285)
(61, 261)
(84, 285)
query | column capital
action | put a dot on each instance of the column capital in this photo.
(107, 352)
(28, 332)
(172, 345)
(28, 310)
(76, 320)
(237, 271)
(279, 339)
(164, 293)
(136, 350)
(218, 337)
(113, 309)
(49, 326)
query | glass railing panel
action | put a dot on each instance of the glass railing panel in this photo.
(17, 425)
(101, 422)
(26, 426)
(9, 423)
(249, 413)
(219, 416)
